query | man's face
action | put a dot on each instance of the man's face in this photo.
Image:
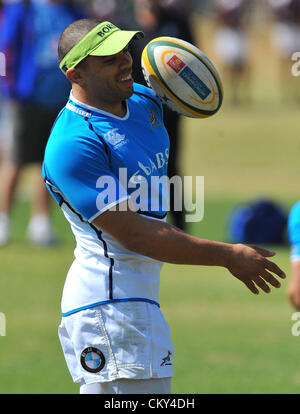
(108, 78)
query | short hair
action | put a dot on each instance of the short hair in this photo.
(73, 34)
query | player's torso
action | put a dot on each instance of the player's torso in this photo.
(138, 149)
(139, 144)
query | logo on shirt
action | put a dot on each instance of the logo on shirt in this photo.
(114, 138)
(154, 121)
(92, 360)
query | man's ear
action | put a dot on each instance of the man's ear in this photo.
(75, 76)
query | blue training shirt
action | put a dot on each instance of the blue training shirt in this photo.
(294, 231)
(93, 161)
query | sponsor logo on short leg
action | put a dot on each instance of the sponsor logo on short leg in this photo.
(92, 360)
(167, 359)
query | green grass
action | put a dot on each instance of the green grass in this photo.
(226, 339)
(31, 283)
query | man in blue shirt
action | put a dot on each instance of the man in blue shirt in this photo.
(108, 143)
(294, 238)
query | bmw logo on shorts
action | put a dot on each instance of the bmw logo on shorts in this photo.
(92, 360)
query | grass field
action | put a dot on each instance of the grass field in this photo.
(226, 339)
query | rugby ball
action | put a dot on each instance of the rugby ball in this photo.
(182, 77)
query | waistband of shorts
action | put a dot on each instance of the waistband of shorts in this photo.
(105, 302)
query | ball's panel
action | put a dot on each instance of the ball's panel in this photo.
(165, 95)
(182, 76)
(196, 52)
(179, 72)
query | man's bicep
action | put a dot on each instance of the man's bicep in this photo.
(84, 178)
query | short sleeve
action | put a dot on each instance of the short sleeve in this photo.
(80, 176)
(294, 231)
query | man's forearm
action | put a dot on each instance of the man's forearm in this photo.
(166, 243)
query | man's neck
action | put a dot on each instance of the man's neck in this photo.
(119, 109)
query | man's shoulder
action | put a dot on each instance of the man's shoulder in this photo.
(142, 93)
(294, 215)
(294, 224)
(70, 135)
(70, 124)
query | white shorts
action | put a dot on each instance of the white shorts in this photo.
(129, 386)
(117, 340)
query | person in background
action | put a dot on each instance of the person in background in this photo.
(112, 10)
(30, 31)
(6, 109)
(231, 44)
(102, 9)
(183, 7)
(151, 17)
(293, 289)
(285, 37)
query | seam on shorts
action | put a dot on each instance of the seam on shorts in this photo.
(131, 365)
(106, 338)
(151, 336)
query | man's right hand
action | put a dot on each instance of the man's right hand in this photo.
(250, 265)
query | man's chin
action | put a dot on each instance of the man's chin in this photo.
(128, 93)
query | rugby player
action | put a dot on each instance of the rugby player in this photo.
(294, 238)
(113, 333)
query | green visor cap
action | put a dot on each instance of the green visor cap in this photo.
(104, 40)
